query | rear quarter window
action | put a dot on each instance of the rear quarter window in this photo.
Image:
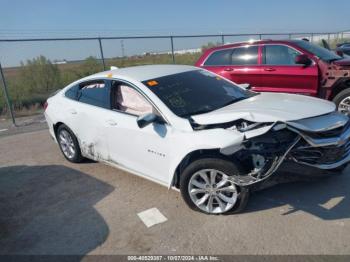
(72, 92)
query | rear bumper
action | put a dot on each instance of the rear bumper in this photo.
(50, 126)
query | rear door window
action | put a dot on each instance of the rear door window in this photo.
(247, 55)
(217, 58)
(96, 93)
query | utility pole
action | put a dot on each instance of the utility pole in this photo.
(7, 97)
(123, 50)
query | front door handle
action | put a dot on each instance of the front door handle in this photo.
(73, 111)
(111, 122)
(269, 69)
(228, 69)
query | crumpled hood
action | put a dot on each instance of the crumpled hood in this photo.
(268, 107)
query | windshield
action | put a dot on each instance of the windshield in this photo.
(318, 51)
(195, 92)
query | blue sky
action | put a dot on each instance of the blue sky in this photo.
(21, 19)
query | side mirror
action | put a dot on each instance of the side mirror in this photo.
(246, 86)
(147, 119)
(303, 60)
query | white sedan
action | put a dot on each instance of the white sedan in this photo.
(190, 129)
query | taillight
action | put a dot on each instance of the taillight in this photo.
(45, 105)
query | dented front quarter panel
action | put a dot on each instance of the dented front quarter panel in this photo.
(331, 76)
(188, 142)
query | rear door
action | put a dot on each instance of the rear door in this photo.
(280, 73)
(238, 64)
(84, 116)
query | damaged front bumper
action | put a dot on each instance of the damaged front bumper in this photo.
(322, 143)
(324, 152)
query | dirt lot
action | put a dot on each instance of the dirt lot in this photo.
(49, 206)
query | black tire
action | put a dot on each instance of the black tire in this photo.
(225, 166)
(342, 95)
(76, 157)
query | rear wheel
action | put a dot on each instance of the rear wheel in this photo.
(69, 144)
(206, 187)
(342, 101)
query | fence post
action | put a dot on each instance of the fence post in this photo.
(101, 51)
(290, 36)
(8, 101)
(312, 38)
(260, 36)
(223, 39)
(172, 48)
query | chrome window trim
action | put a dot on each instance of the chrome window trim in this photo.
(115, 110)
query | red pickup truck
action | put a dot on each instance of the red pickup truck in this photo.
(291, 66)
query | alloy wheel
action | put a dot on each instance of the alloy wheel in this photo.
(212, 191)
(67, 144)
(344, 106)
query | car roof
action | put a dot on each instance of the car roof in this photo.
(255, 42)
(145, 72)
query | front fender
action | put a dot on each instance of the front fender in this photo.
(223, 139)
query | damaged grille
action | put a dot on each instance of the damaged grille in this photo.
(305, 153)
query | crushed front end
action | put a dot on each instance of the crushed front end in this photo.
(321, 144)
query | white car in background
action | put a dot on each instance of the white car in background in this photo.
(190, 129)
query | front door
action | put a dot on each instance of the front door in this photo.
(280, 73)
(144, 150)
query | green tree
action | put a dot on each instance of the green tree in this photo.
(39, 75)
(89, 67)
(209, 45)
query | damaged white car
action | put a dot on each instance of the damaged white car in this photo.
(190, 129)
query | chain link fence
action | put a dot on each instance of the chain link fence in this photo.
(32, 69)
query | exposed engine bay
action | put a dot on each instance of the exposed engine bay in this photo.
(322, 142)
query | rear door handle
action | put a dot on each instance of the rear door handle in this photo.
(269, 69)
(228, 69)
(111, 122)
(73, 111)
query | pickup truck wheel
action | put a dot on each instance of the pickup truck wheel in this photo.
(69, 144)
(342, 101)
(205, 186)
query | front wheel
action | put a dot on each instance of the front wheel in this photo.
(206, 186)
(342, 101)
